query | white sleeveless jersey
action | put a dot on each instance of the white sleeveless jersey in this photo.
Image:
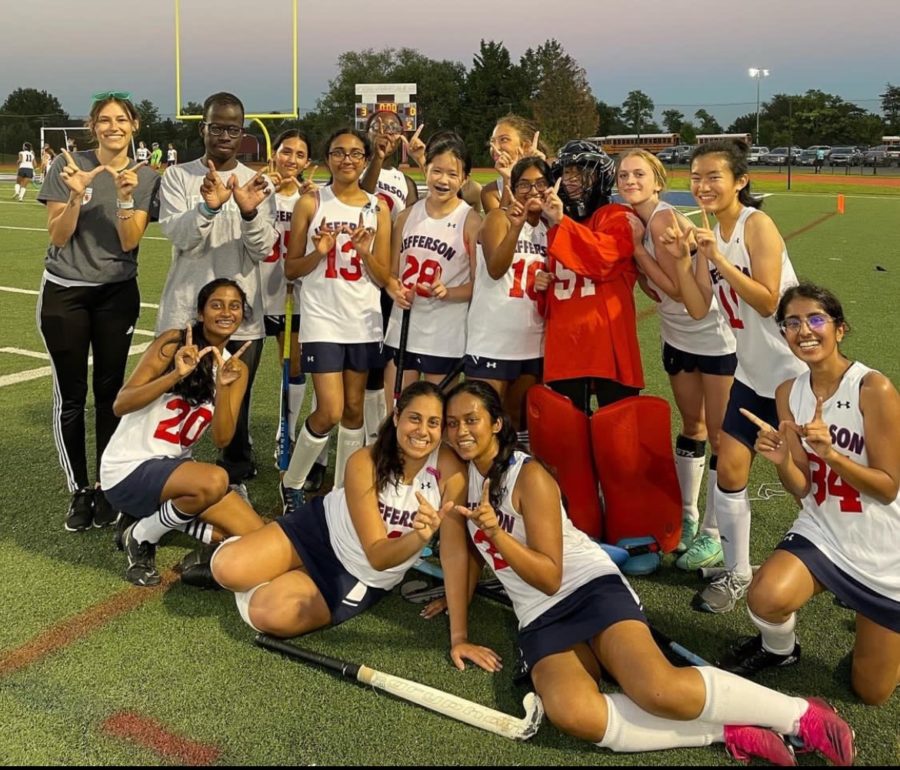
(583, 559)
(392, 190)
(26, 159)
(142, 153)
(504, 320)
(398, 507)
(341, 303)
(709, 336)
(855, 532)
(764, 359)
(272, 282)
(171, 155)
(432, 248)
(166, 427)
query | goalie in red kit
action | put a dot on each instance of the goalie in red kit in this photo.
(334, 557)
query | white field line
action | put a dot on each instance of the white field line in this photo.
(44, 230)
(45, 371)
(14, 290)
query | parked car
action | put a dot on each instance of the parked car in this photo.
(669, 155)
(845, 156)
(807, 157)
(882, 155)
(778, 156)
(756, 154)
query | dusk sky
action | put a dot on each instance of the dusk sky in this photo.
(682, 54)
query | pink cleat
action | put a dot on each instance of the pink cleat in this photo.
(744, 742)
(824, 731)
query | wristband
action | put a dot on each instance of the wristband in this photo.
(208, 212)
(129, 204)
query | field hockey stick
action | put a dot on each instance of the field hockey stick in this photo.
(450, 378)
(284, 448)
(401, 355)
(422, 695)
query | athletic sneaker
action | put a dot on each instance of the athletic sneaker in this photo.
(744, 742)
(705, 551)
(291, 499)
(141, 560)
(722, 594)
(241, 489)
(689, 528)
(104, 513)
(123, 522)
(315, 478)
(195, 570)
(81, 511)
(824, 731)
(747, 656)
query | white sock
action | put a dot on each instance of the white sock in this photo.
(16, 193)
(212, 559)
(733, 700)
(348, 441)
(306, 449)
(690, 460)
(199, 530)
(322, 459)
(152, 528)
(242, 600)
(296, 394)
(710, 525)
(733, 513)
(374, 412)
(776, 637)
(630, 728)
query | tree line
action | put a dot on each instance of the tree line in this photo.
(546, 84)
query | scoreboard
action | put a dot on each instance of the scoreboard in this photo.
(406, 111)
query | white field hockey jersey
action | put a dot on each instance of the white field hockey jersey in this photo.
(709, 336)
(142, 153)
(171, 155)
(583, 559)
(855, 532)
(26, 159)
(392, 190)
(764, 358)
(272, 282)
(431, 249)
(340, 301)
(504, 320)
(398, 507)
(166, 427)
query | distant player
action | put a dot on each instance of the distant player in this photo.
(171, 155)
(433, 268)
(155, 157)
(336, 556)
(142, 154)
(25, 172)
(837, 447)
(750, 270)
(184, 383)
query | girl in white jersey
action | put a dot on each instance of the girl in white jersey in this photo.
(25, 172)
(698, 354)
(432, 269)
(340, 247)
(336, 556)
(836, 447)
(750, 270)
(577, 614)
(291, 158)
(182, 385)
(505, 325)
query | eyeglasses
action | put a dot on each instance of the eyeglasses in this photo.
(216, 130)
(101, 95)
(339, 154)
(816, 322)
(377, 127)
(523, 186)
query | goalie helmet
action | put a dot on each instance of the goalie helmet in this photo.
(598, 174)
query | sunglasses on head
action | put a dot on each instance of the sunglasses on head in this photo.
(101, 95)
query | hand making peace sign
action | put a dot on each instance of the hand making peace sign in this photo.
(126, 181)
(214, 193)
(427, 520)
(228, 372)
(772, 443)
(484, 516)
(249, 195)
(415, 147)
(188, 356)
(552, 204)
(75, 178)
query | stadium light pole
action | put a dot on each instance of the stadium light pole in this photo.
(759, 74)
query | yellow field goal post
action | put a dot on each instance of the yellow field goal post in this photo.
(258, 117)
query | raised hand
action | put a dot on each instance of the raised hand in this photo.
(214, 193)
(817, 433)
(362, 237)
(771, 443)
(249, 195)
(552, 204)
(308, 185)
(637, 229)
(504, 164)
(76, 179)
(415, 147)
(382, 146)
(427, 520)
(324, 239)
(274, 176)
(542, 280)
(126, 181)
(188, 356)
(228, 372)
(517, 213)
(706, 239)
(677, 241)
(484, 516)
(533, 150)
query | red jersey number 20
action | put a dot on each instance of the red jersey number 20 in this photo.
(186, 426)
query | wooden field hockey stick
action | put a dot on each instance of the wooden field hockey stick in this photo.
(284, 445)
(444, 703)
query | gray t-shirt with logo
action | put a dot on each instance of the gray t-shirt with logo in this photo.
(93, 254)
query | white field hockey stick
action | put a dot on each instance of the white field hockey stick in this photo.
(422, 695)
